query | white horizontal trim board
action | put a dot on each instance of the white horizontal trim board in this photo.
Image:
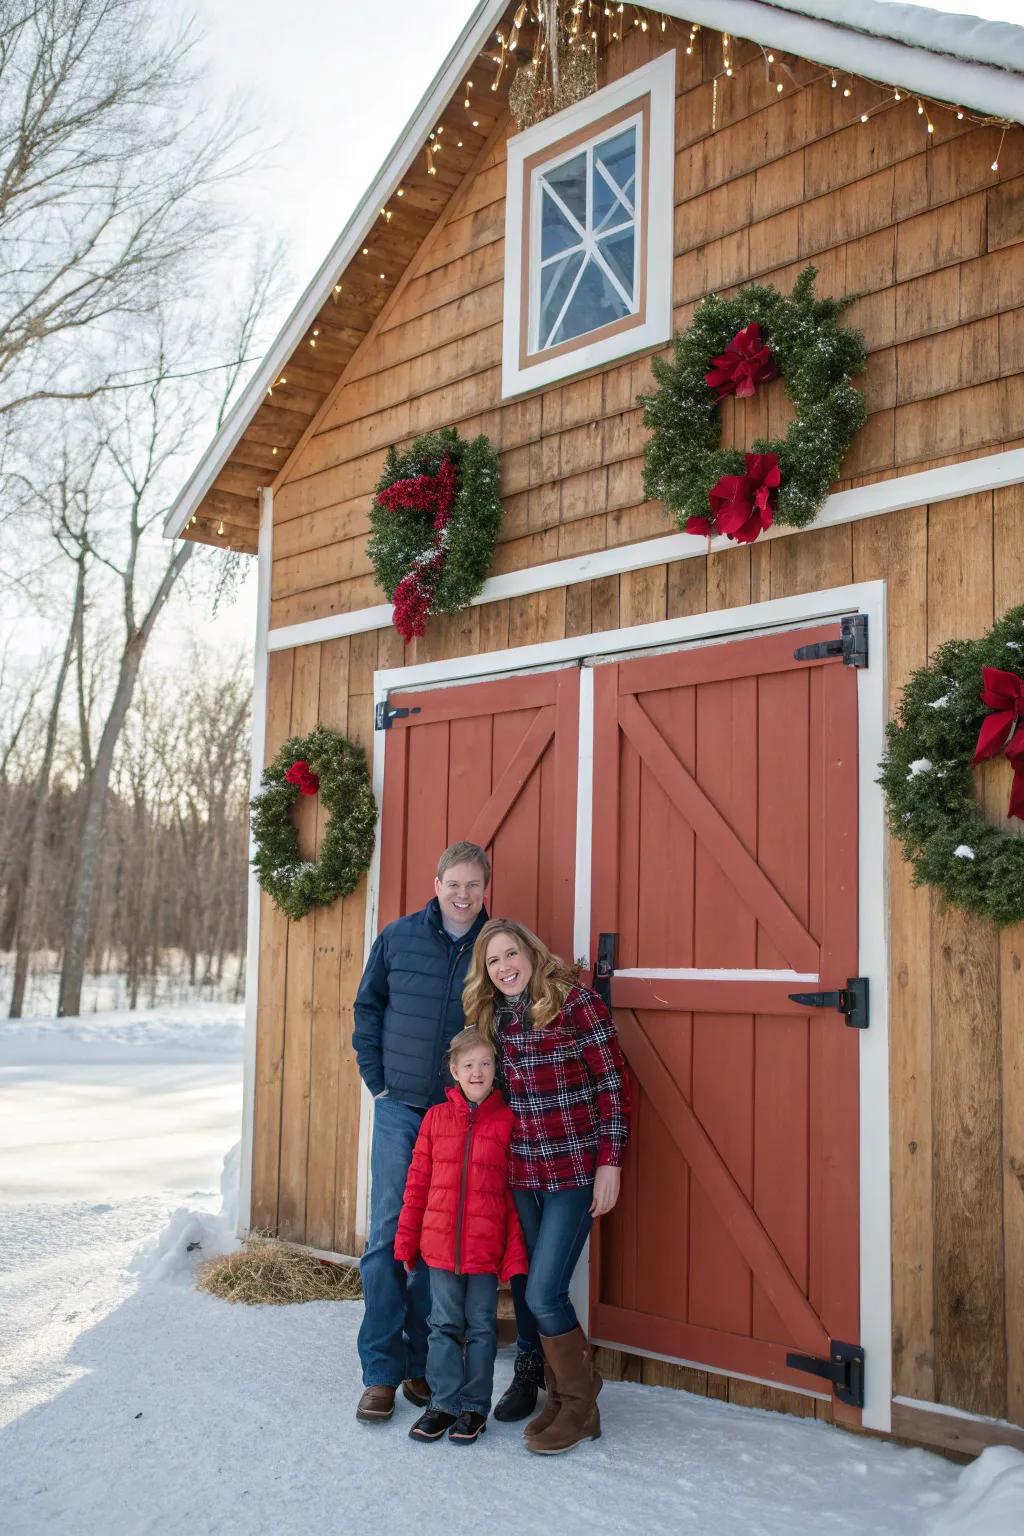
(927, 486)
(955, 1413)
(693, 974)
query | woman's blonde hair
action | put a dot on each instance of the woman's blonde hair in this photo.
(550, 982)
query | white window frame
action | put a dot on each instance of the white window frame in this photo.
(647, 97)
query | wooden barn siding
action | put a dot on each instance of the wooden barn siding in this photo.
(957, 1012)
(917, 224)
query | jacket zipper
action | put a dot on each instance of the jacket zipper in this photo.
(462, 1191)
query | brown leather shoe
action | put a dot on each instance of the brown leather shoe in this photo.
(376, 1404)
(416, 1390)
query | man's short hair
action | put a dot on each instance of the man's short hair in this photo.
(463, 853)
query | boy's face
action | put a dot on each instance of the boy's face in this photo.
(474, 1072)
(460, 891)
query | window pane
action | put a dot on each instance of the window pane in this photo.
(557, 233)
(594, 303)
(618, 157)
(570, 182)
(619, 252)
(555, 283)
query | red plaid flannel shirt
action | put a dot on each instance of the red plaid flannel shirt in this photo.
(567, 1086)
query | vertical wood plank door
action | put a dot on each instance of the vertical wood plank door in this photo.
(725, 858)
(494, 762)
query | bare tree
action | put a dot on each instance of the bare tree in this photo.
(142, 438)
(105, 173)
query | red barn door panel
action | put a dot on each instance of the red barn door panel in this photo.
(496, 763)
(725, 858)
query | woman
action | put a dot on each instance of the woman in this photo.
(563, 1074)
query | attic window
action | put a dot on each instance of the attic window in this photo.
(589, 231)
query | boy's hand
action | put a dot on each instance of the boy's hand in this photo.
(410, 1265)
(606, 1189)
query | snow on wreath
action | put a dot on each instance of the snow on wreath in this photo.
(327, 765)
(434, 523)
(964, 707)
(734, 346)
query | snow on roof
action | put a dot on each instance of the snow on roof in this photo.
(963, 37)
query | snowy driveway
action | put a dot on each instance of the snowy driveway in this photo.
(133, 1406)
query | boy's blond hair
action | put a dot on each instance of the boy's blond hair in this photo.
(468, 1040)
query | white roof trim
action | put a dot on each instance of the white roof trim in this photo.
(395, 167)
(979, 86)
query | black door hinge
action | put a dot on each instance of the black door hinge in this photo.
(852, 644)
(851, 1000)
(607, 954)
(844, 1368)
(383, 716)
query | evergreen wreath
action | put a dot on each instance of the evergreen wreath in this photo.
(965, 705)
(732, 346)
(330, 765)
(434, 520)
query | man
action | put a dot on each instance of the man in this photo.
(407, 1009)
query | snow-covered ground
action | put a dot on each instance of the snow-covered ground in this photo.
(130, 1403)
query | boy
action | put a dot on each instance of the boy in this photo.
(459, 1216)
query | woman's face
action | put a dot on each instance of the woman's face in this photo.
(508, 965)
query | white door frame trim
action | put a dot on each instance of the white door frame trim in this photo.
(814, 607)
(926, 487)
(252, 942)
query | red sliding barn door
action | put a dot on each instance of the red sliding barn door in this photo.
(496, 763)
(725, 858)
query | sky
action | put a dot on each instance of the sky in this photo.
(331, 84)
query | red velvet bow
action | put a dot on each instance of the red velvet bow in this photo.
(742, 506)
(745, 363)
(1003, 692)
(301, 774)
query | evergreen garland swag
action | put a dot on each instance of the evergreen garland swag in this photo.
(817, 358)
(928, 778)
(434, 523)
(330, 765)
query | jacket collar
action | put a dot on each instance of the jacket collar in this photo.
(433, 919)
(493, 1101)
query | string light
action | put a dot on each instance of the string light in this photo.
(220, 529)
(273, 452)
(995, 162)
(400, 192)
(835, 83)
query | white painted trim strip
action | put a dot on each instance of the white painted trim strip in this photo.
(692, 974)
(924, 488)
(996, 92)
(353, 236)
(584, 819)
(252, 942)
(875, 1115)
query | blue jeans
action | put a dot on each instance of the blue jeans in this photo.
(393, 1333)
(556, 1225)
(463, 1341)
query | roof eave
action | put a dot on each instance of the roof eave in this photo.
(404, 151)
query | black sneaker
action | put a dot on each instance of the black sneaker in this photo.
(432, 1424)
(467, 1428)
(520, 1398)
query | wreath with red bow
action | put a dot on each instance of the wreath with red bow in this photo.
(965, 707)
(734, 346)
(326, 764)
(434, 520)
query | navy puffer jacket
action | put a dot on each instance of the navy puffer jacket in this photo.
(409, 1006)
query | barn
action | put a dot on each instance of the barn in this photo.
(670, 741)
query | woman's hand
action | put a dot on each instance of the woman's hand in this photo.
(606, 1189)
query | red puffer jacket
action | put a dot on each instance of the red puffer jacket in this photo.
(458, 1212)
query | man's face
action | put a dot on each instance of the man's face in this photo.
(460, 890)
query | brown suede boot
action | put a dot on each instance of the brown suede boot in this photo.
(550, 1411)
(570, 1359)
